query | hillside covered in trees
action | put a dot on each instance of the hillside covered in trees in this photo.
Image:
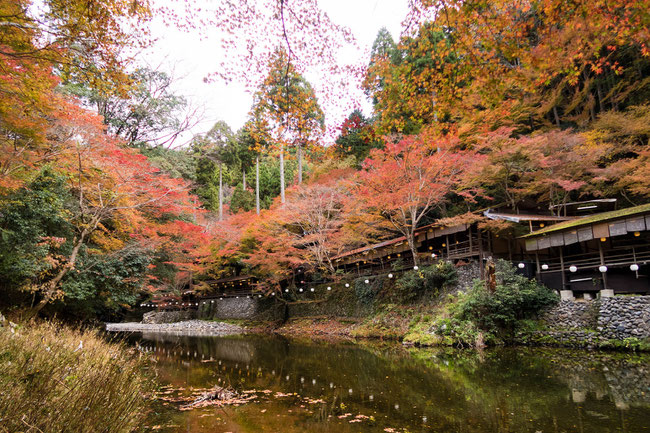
(506, 104)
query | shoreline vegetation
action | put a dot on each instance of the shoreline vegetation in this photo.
(428, 307)
(54, 378)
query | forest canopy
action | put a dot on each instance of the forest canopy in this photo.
(521, 105)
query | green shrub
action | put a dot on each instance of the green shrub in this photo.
(412, 285)
(516, 298)
(54, 379)
(366, 292)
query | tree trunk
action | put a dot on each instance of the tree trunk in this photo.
(490, 276)
(243, 175)
(220, 193)
(50, 286)
(410, 238)
(299, 163)
(257, 184)
(557, 117)
(282, 200)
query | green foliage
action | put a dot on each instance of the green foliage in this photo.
(105, 283)
(242, 200)
(29, 218)
(36, 236)
(150, 114)
(270, 178)
(627, 344)
(178, 163)
(480, 318)
(366, 292)
(516, 298)
(412, 285)
(55, 379)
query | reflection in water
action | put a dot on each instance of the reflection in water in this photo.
(343, 387)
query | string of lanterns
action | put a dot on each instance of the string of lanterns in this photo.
(573, 268)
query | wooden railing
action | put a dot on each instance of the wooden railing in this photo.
(592, 261)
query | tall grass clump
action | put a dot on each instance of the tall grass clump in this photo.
(57, 379)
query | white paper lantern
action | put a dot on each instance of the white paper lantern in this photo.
(433, 255)
(521, 266)
(573, 268)
(544, 267)
(602, 268)
(312, 289)
(329, 288)
(634, 267)
(347, 285)
(415, 268)
(300, 290)
(367, 281)
(390, 275)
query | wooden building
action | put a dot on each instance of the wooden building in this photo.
(451, 242)
(605, 253)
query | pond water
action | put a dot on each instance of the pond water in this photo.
(321, 386)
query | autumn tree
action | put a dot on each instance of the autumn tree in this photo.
(109, 183)
(286, 113)
(409, 178)
(528, 65)
(356, 138)
(384, 51)
(618, 141)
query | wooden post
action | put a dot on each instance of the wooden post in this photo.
(469, 230)
(562, 269)
(447, 243)
(489, 239)
(480, 252)
(539, 268)
(509, 250)
(602, 263)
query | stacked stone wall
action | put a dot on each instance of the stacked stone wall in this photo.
(597, 323)
(158, 317)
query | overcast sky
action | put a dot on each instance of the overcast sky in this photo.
(191, 59)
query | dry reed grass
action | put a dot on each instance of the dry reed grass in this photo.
(57, 379)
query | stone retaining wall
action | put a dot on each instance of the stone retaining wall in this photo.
(241, 309)
(158, 317)
(600, 322)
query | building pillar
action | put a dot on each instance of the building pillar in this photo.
(562, 270)
(567, 295)
(607, 293)
(602, 263)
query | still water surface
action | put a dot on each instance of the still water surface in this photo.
(344, 387)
